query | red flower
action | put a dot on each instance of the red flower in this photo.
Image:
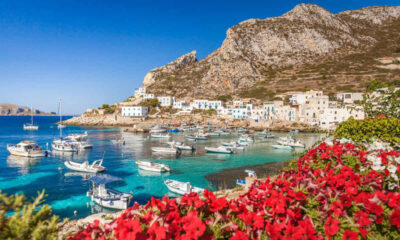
(331, 226)
(362, 218)
(395, 218)
(193, 225)
(350, 235)
(239, 235)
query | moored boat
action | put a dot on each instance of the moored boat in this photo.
(162, 136)
(181, 188)
(220, 149)
(279, 146)
(95, 167)
(165, 150)
(30, 126)
(157, 129)
(151, 166)
(107, 197)
(27, 149)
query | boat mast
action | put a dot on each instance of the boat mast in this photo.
(59, 108)
(31, 116)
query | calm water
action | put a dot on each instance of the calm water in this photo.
(67, 189)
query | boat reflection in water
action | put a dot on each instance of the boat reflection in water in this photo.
(22, 163)
(145, 173)
(84, 175)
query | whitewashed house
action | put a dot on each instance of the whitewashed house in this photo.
(332, 116)
(147, 96)
(303, 97)
(349, 97)
(140, 91)
(134, 111)
(166, 101)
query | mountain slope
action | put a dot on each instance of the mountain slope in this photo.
(308, 47)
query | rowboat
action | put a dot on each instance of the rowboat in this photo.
(181, 188)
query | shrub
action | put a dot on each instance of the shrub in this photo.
(22, 219)
(370, 129)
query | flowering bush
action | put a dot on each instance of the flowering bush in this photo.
(343, 191)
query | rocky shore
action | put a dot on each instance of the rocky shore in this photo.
(226, 179)
(144, 125)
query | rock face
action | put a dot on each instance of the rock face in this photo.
(272, 54)
(11, 109)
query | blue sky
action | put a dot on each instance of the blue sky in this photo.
(94, 52)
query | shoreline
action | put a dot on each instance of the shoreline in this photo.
(226, 178)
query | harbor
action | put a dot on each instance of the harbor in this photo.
(67, 189)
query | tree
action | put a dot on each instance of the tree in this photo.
(22, 219)
(153, 102)
(382, 100)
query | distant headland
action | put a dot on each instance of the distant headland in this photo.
(15, 110)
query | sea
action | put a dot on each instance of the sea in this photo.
(66, 190)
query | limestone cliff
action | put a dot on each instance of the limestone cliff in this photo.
(308, 47)
(11, 109)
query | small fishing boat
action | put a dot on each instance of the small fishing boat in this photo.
(269, 135)
(181, 146)
(27, 149)
(297, 144)
(220, 149)
(241, 130)
(157, 129)
(79, 140)
(31, 126)
(165, 150)
(246, 139)
(265, 132)
(196, 137)
(151, 166)
(120, 141)
(163, 136)
(230, 144)
(107, 197)
(295, 131)
(181, 188)
(212, 134)
(279, 146)
(95, 167)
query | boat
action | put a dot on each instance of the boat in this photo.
(181, 188)
(27, 149)
(230, 144)
(160, 136)
(241, 130)
(279, 146)
(246, 139)
(64, 145)
(79, 140)
(220, 149)
(290, 141)
(250, 174)
(173, 130)
(31, 126)
(157, 129)
(265, 132)
(151, 166)
(297, 144)
(295, 131)
(212, 134)
(165, 150)
(197, 137)
(95, 167)
(118, 141)
(107, 197)
(181, 146)
(269, 135)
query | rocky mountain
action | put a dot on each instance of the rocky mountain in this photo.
(306, 48)
(11, 109)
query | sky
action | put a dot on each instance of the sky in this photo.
(90, 52)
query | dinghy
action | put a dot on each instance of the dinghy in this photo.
(220, 149)
(95, 167)
(181, 188)
(151, 166)
(107, 197)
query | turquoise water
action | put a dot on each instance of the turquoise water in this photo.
(66, 190)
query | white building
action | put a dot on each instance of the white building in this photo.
(166, 101)
(243, 112)
(147, 96)
(140, 91)
(334, 115)
(134, 111)
(349, 97)
(205, 104)
(303, 97)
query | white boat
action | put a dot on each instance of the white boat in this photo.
(197, 137)
(241, 130)
(212, 134)
(79, 140)
(290, 141)
(63, 145)
(164, 150)
(151, 166)
(157, 129)
(95, 167)
(165, 136)
(295, 131)
(230, 144)
(31, 126)
(297, 144)
(220, 149)
(181, 146)
(286, 147)
(181, 188)
(26, 149)
(265, 132)
(246, 139)
(269, 135)
(107, 197)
